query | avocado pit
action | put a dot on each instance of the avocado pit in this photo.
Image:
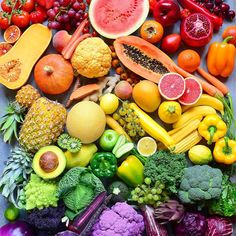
(48, 161)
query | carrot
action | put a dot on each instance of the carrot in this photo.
(208, 88)
(213, 80)
(76, 86)
(75, 35)
(84, 91)
(68, 54)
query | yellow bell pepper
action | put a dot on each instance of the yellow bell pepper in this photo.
(221, 57)
(131, 171)
(212, 128)
(225, 151)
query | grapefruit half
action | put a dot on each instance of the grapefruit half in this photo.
(116, 18)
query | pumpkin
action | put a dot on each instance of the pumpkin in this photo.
(53, 74)
(16, 65)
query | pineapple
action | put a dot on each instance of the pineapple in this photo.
(11, 120)
(16, 174)
(43, 124)
(27, 95)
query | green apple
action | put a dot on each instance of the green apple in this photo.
(108, 140)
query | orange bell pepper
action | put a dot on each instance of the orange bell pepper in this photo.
(221, 57)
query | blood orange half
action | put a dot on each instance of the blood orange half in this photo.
(192, 93)
(12, 34)
(116, 18)
(4, 48)
(171, 86)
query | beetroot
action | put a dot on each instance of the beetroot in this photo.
(196, 30)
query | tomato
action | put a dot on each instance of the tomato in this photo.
(7, 5)
(230, 31)
(171, 43)
(152, 31)
(42, 11)
(152, 4)
(21, 19)
(37, 17)
(28, 5)
(3, 22)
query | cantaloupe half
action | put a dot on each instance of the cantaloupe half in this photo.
(16, 65)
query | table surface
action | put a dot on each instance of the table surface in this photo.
(7, 95)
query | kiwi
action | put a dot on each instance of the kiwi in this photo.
(74, 145)
(63, 140)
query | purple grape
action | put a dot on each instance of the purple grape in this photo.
(51, 14)
(231, 15)
(224, 7)
(64, 3)
(56, 9)
(55, 25)
(60, 19)
(77, 16)
(218, 2)
(216, 10)
(71, 13)
(209, 5)
(65, 17)
(56, 4)
(76, 6)
(73, 22)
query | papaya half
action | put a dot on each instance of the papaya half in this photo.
(16, 65)
(148, 61)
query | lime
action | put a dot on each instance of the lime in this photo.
(147, 146)
(200, 154)
(11, 213)
(109, 103)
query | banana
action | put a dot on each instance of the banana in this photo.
(207, 100)
(192, 114)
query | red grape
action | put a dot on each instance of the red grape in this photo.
(76, 6)
(224, 7)
(60, 19)
(51, 14)
(82, 6)
(71, 13)
(65, 17)
(231, 15)
(56, 9)
(56, 4)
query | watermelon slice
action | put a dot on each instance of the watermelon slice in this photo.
(116, 18)
(192, 93)
(171, 86)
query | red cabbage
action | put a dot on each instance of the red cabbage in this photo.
(219, 226)
(19, 228)
(193, 224)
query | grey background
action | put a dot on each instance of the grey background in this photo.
(6, 94)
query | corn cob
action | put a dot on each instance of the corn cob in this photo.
(188, 142)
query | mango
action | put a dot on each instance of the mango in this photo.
(82, 157)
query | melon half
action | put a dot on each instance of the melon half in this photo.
(116, 18)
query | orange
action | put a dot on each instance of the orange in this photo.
(189, 60)
(152, 31)
(12, 34)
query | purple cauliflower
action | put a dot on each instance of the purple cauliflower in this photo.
(120, 220)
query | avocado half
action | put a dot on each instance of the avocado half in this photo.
(49, 162)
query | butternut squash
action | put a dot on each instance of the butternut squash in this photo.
(17, 64)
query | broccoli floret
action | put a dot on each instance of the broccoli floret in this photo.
(48, 218)
(200, 183)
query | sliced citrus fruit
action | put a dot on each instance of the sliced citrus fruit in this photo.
(12, 34)
(147, 146)
(4, 48)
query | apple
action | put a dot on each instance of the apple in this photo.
(108, 140)
(166, 12)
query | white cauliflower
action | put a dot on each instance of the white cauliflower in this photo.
(92, 58)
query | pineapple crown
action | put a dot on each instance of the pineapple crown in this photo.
(15, 107)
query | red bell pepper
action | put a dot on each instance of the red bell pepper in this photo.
(193, 7)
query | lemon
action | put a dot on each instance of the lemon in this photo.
(109, 103)
(147, 146)
(200, 154)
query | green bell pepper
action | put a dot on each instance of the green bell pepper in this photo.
(104, 164)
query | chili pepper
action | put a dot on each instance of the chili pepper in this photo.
(131, 171)
(193, 7)
(212, 128)
(221, 57)
(225, 151)
(104, 164)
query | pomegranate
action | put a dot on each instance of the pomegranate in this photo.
(196, 30)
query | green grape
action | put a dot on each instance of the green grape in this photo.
(159, 191)
(144, 186)
(147, 180)
(149, 196)
(156, 197)
(132, 133)
(135, 197)
(141, 192)
(125, 105)
(153, 191)
(129, 126)
(116, 116)
(141, 133)
(145, 199)
(140, 200)
(137, 190)
(162, 186)
(157, 183)
(121, 121)
(128, 119)
(122, 111)
(132, 192)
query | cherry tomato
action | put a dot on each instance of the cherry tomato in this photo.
(21, 19)
(28, 5)
(152, 31)
(7, 5)
(4, 24)
(37, 17)
(152, 4)
(42, 11)
(171, 43)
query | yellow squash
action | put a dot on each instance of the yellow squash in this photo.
(16, 65)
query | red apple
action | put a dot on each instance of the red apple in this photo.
(166, 12)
